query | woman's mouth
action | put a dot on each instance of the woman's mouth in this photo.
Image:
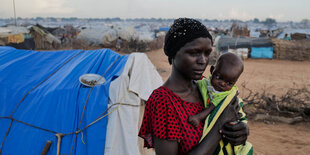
(198, 72)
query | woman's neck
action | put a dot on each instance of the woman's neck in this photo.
(178, 83)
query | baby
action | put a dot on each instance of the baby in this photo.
(219, 85)
(218, 91)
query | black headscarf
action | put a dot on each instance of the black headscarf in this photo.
(182, 31)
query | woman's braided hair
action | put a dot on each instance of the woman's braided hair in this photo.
(182, 31)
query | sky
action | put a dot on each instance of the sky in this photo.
(281, 10)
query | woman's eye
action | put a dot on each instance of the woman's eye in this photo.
(194, 53)
(217, 77)
(207, 53)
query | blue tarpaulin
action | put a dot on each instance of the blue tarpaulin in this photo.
(166, 29)
(41, 95)
(262, 52)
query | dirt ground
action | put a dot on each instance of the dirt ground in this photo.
(273, 76)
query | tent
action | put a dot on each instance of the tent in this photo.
(166, 29)
(262, 52)
(42, 100)
(131, 89)
(106, 36)
(225, 43)
(44, 39)
(17, 37)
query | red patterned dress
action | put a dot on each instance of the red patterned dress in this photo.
(166, 117)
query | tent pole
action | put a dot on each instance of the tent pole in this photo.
(14, 13)
(59, 137)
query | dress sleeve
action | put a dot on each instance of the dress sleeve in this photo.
(159, 120)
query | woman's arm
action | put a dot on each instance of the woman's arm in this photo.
(163, 147)
(210, 142)
(206, 147)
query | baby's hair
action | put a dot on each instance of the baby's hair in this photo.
(231, 59)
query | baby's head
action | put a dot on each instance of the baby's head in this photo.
(226, 72)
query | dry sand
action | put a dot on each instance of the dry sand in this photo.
(274, 76)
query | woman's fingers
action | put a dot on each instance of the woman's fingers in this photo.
(236, 127)
(236, 141)
(233, 134)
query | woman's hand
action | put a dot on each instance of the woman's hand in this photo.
(235, 132)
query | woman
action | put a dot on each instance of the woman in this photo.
(165, 126)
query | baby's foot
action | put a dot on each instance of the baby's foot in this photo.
(194, 120)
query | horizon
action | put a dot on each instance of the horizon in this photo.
(281, 11)
(150, 18)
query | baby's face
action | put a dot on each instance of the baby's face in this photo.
(224, 77)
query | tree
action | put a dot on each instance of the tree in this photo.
(270, 21)
(305, 22)
(256, 20)
(39, 18)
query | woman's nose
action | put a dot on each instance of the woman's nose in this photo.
(202, 59)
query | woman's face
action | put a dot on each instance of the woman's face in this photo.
(192, 59)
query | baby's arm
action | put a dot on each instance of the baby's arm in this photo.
(196, 119)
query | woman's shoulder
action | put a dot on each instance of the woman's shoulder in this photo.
(161, 93)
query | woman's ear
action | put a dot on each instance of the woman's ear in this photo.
(211, 69)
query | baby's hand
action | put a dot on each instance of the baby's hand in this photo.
(194, 120)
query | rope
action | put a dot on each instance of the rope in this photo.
(9, 117)
(8, 130)
(78, 131)
(86, 104)
(101, 116)
(60, 135)
(43, 82)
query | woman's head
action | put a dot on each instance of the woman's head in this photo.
(192, 59)
(182, 31)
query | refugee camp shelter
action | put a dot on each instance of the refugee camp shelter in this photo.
(106, 35)
(262, 52)
(298, 50)
(17, 37)
(247, 45)
(239, 29)
(42, 101)
(43, 39)
(226, 42)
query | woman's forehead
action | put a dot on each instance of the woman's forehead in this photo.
(199, 43)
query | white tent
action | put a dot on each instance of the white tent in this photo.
(128, 94)
(106, 35)
(12, 30)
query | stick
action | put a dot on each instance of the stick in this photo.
(59, 136)
(46, 147)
